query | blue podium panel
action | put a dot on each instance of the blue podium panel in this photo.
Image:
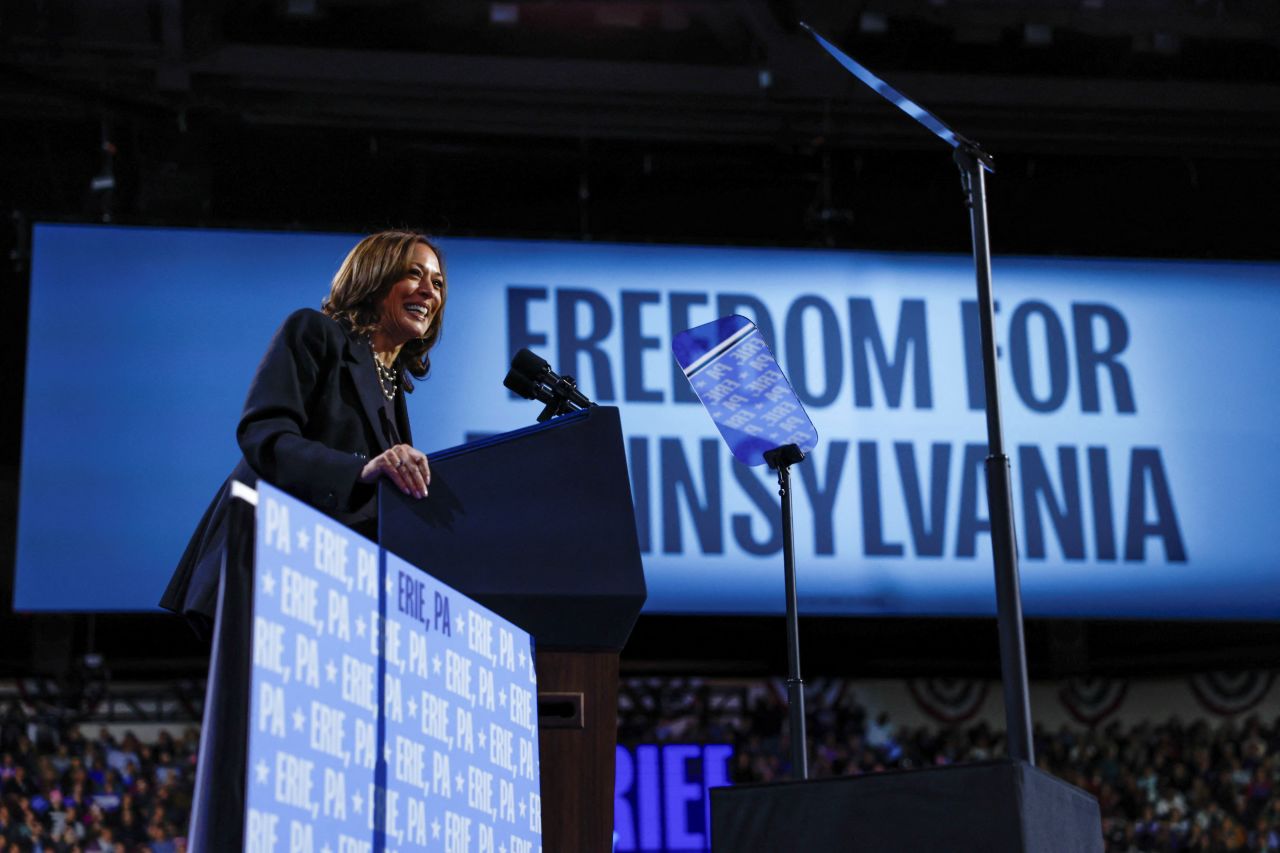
(388, 712)
(461, 724)
(312, 746)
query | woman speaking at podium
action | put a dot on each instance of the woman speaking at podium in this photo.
(325, 415)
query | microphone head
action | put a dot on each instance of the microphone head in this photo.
(528, 364)
(521, 384)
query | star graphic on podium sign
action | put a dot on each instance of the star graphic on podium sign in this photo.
(435, 828)
(502, 697)
(330, 672)
(520, 657)
(261, 771)
(357, 803)
(359, 626)
(268, 583)
(522, 808)
(386, 752)
(480, 737)
(304, 541)
(457, 781)
(413, 707)
(390, 586)
(435, 664)
(299, 719)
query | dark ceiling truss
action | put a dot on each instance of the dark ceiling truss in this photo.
(787, 89)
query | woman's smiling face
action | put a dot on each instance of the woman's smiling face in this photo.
(411, 305)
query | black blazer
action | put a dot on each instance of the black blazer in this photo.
(313, 417)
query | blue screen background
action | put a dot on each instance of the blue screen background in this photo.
(143, 341)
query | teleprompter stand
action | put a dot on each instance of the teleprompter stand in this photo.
(781, 459)
(973, 163)
(1005, 806)
(757, 412)
(1013, 656)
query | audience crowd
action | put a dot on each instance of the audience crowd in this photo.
(99, 795)
(1173, 786)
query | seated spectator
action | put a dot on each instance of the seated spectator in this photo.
(108, 796)
(166, 771)
(104, 843)
(19, 784)
(161, 842)
(56, 814)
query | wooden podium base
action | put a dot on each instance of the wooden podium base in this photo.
(577, 736)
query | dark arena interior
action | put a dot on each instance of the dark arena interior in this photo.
(1137, 140)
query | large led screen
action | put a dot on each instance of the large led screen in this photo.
(1140, 400)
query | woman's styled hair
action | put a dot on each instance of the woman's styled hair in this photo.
(370, 269)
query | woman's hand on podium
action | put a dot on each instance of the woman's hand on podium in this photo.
(404, 465)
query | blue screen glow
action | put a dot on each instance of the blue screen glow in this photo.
(1140, 401)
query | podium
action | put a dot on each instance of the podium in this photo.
(538, 525)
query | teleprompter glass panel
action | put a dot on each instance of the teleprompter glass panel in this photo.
(743, 389)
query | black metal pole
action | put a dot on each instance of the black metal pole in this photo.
(1013, 654)
(781, 459)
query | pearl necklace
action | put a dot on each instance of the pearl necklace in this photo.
(388, 377)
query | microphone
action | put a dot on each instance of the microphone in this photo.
(532, 378)
(526, 387)
(530, 364)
